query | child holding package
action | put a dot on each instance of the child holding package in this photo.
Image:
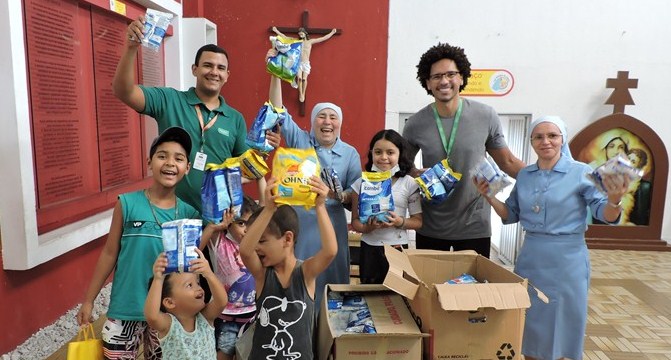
(133, 243)
(237, 280)
(285, 285)
(176, 309)
(387, 153)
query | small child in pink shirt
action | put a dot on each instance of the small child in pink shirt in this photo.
(238, 282)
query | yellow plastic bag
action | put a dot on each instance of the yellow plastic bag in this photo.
(86, 346)
(293, 169)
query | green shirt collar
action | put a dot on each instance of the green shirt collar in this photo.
(193, 100)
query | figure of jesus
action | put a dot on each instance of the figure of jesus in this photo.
(301, 81)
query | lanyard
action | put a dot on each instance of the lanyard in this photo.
(453, 132)
(203, 127)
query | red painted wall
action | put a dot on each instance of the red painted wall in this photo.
(349, 69)
(35, 298)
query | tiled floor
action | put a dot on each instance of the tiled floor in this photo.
(629, 306)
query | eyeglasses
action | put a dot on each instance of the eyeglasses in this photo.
(540, 137)
(449, 75)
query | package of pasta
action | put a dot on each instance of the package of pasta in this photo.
(293, 169)
(486, 169)
(155, 26)
(180, 240)
(285, 64)
(268, 118)
(252, 165)
(437, 183)
(234, 184)
(375, 198)
(214, 193)
(614, 166)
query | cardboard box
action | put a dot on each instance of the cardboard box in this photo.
(398, 336)
(465, 321)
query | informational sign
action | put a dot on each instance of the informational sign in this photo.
(61, 96)
(87, 145)
(119, 137)
(489, 82)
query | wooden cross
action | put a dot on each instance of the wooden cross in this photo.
(621, 96)
(304, 25)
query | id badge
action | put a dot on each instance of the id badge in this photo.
(199, 161)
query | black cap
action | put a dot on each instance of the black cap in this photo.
(176, 134)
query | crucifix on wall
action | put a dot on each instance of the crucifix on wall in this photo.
(301, 79)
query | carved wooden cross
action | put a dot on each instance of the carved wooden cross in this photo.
(621, 96)
(304, 25)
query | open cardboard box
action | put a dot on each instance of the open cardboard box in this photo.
(397, 337)
(465, 321)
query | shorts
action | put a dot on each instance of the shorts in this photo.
(122, 339)
(226, 333)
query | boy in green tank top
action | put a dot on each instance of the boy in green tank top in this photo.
(133, 243)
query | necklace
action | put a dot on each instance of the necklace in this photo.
(147, 194)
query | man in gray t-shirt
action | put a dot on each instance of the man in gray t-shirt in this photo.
(463, 220)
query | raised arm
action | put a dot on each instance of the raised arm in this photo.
(323, 38)
(219, 296)
(124, 85)
(157, 319)
(279, 33)
(213, 230)
(316, 264)
(275, 91)
(254, 232)
(104, 266)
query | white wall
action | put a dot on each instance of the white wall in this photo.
(559, 52)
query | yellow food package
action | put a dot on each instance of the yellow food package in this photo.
(293, 168)
(252, 165)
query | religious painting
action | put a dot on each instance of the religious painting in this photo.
(621, 142)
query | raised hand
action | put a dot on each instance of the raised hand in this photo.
(135, 32)
(320, 188)
(200, 265)
(159, 265)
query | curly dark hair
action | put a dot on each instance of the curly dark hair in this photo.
(437, 53)
(405, 164)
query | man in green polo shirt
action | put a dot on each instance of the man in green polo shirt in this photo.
(217, 130)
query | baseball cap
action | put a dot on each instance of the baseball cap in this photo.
(176, 134)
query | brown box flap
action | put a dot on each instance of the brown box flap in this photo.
(401, 277)
(471, 297)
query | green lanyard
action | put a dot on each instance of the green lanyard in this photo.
(455, 125)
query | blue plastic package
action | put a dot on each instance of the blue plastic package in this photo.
(285, 64)
(234, 184)
(180, 240)
(375, 198)
(268, 118)
(214, 193)
(437, 183)
(155, 25)
(486, 169)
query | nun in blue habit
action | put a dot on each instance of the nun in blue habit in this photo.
(551, 199)
(333, 153)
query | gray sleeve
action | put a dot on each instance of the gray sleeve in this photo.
(496, 138)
